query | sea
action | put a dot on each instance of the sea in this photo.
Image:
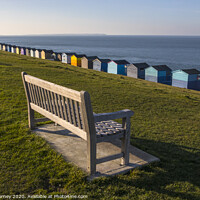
(177, 52)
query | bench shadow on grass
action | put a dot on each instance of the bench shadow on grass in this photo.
(178, 164)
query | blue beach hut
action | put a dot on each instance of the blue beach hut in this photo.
(159, 74)
(118, 67)
(186, 78)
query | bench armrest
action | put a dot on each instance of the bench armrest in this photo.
(113, 115)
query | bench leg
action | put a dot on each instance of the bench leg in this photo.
(125, 141)
(31, 118)
(91, 157)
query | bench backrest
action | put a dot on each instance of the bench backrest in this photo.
(69, 108)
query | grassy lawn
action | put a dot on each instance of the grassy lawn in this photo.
(166, 124)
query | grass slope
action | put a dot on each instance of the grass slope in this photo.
(165, 124)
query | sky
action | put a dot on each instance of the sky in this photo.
(113, 17)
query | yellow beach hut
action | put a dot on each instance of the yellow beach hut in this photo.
(76, 59)
(17, 50)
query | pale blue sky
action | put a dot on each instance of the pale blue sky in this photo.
(115, 17)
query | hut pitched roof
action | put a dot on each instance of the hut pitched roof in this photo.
(161, 68)
(191, 71)
(91, 58)
(141, 65)
(104, 60)
(80, 55)
(70, 53)
(121, 62)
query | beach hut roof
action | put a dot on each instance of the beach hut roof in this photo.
(141, 65)
(191, 71)
(161, 67)
(70, 53)
(92, 58)
(104, 60)
(48, 51)
(81, 55)
(121, 62)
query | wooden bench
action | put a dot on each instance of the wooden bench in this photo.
(73, 110)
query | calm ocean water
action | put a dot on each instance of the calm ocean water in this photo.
(178, 52)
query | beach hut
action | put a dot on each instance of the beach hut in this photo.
(17, 50)
(87, 62)
(38, 53)
(13, 49)
(64, 57)
(76, 59)
(118, 67)
(8, 48)
(101, 64)
(47, 54)
(186, 78)
(28, 53)
(159, 74)
(32, 52)
(4, 47)
(137, 70)
(23, 50)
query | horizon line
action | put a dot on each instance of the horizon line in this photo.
(96, 34)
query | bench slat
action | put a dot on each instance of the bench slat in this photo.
(53, 103)
(78, 114)
(61, 107)
(72, 94)
(31, 92)
(81, 133)
(41, 98)
(35, 94)
(56, 104)
(44, 99)
(72, 112)
(28, 85)
(49, 100)
(64, 108)
(68, 110)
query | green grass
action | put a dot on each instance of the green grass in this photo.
(166, 124)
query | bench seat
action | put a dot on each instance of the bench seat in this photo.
(107, 128)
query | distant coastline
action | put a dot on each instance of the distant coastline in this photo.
(96, 34)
